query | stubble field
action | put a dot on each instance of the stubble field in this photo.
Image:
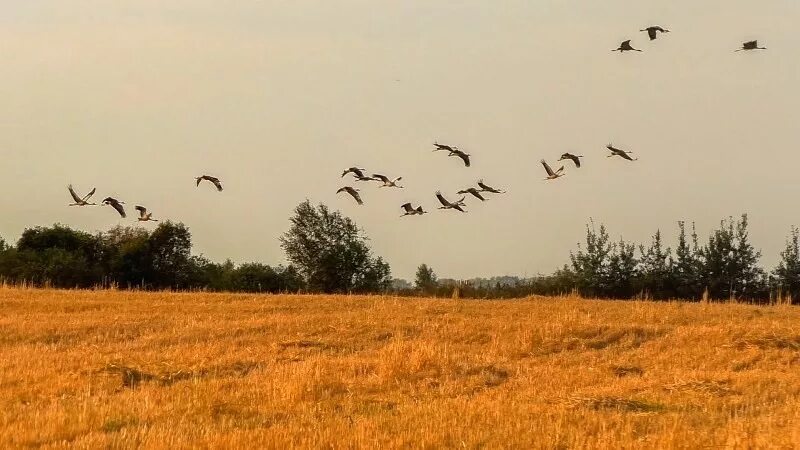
(98, 369)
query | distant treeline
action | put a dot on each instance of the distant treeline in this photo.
(723, 267)
(329, 254)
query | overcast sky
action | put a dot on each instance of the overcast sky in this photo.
(136, 97)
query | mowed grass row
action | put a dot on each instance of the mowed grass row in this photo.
(172, 370)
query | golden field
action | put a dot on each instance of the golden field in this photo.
(100, 369)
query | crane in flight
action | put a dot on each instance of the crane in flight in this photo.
(551, 175)
(116, 204)
(144, 216)
(625, 46)
(353, 192)
(653, 31)
(449, 205)
(81, 201)
(214, 180)
(751, 45)
(621, 153)
(411, 211)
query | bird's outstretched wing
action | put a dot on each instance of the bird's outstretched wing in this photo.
(73, 194)
(407, 207)
(547, 168)
(442, 200)
(116, 205)
(142, 210)
(464, 157)
(378, 176)
(90, 194)
(625, 155)
(216, 183)
(626, 43)
(652, 33)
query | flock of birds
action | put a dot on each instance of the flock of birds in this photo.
(477, 192)
(458, 205)
(359, 174)
(144, 215)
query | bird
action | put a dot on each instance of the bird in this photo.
(625, 46)
(386, 181)
(653, 31)
(447, 205)
(486, 188)
(476, 193)
(144, 216)
(621, 153)
(355, 171)
(751, 45)
(444, 147)
(464, 157)
(411, 211)
(81, 201)
(352, 191)
(214, 180)
(116, 204)
(575, 158)
(550, 174)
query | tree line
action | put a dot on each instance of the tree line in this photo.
(328, 253)
(723, 267)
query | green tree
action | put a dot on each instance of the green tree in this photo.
(687, 266)
(787, 274)
(169, 250)
(426, 280)
(730, 267)
(655, 269)
(622, 272)
(331, 252)
(590, 265)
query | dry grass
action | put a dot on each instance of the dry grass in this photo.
(120, 369)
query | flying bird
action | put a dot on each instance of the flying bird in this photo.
(447, 205)
(550, 174)
(144, 216)
(486, 188)
(411, 211)
(653, 32)
(352, 191)
(81, 201)
(444, 147)
(355, 171)
(621, 153)
(386, 181)
(751, 45)
(213, 180)
(575, 158)
(476, 193)
(116, 204)
(464, 157)
(625, 46)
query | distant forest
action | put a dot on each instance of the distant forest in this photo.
(328, 253)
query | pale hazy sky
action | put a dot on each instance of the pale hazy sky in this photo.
(137, 97)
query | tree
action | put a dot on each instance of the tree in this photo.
(655, 269)
(622, 271)
(787, 274)
(426, 280)
(590, 266)
(687, 265)
(331, 252)
(730, 262)
(169, 249)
